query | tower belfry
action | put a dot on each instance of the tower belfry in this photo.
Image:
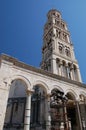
(57, 52)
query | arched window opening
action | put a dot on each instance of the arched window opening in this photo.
(49, 65)
(58, 33)
(60, 48)
(57, 22)
(65, 37)
(75, 72)
(57, 64)
(67, 51)
(58, 15)
(69, 71)
(15, 106)
(63, 25)
(64, 69)
(53, 13)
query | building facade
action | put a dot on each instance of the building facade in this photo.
(52, 97)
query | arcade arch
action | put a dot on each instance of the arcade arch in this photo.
(23, 79)
(42, 84)
(57, 87)
(16, 104)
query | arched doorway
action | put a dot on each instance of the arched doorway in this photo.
(38, 108)
(14, 118)
(72, 112)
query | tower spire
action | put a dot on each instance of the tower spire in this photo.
(57, 52)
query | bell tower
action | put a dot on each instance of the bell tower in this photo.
(57, 52)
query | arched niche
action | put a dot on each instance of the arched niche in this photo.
(15, 110)
(71, 108)
(18, 88)
(57, 87)
(72, 94)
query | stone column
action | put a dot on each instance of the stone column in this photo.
(79, 75)
(65, 116)
(67, 69)
(72, 52)
(66, 74)
(69, 124)
(62, 126)
(72, 72)
(27, 111)
(68, 38)
(53, 66)
(69, 73)
(60, 68)
(48, 116)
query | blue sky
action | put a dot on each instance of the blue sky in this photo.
(22, 22)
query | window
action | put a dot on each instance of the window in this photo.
(67, 51)
(57, 65)
(69, 70)
(62, 25)
(49, 65)
(60, 47)
(75, 72)
(53, 13)
(64, 69)
(65, 37)
(58, 33)
(57, 22)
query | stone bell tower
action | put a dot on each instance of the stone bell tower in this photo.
(57, 51)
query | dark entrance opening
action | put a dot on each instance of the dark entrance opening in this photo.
(71, 113)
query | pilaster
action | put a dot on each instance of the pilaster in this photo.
(60, 68)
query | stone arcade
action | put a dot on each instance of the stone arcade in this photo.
(25, 91)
